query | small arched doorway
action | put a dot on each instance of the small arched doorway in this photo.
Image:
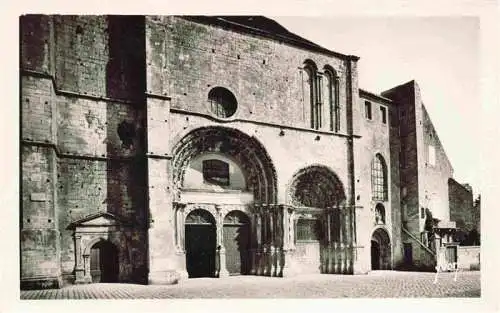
(380, 250)
(236, 242)
(200, 244)
(104, 262)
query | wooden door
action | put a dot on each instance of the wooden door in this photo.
(95, 264)
(200, 250)
(200, 243)
(236, 241)
(104, 264)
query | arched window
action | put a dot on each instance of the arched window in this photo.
(222, 102)
(331, 98)
(379, 178)
(379, 214)
(312, 93)
(216, 172)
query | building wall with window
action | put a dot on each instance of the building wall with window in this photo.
(379, 176)
(424, 171)
(76, 90)
(289, 99)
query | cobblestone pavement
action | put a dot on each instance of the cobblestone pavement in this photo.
(377, 284)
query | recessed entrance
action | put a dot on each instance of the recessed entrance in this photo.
(380, 250)
(236, 242)
(104, 262)
(200, 244)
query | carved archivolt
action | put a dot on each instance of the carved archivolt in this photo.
(316, 186)
(247, 151)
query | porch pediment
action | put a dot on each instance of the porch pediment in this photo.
(101, 219)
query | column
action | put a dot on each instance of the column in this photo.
(279, 240)
(79, 268)
(86, 272)
(221, 250)
(330, 254)
(272, 241)
(253, 243)
(348, 250)
(265, 241)
(289, 234)
(259, 264)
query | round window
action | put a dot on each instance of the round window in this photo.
(222, 102)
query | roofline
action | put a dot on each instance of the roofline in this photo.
(461, 185)
(368, 94)
(217, 21)
(411, 82)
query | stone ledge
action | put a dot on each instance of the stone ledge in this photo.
(42, 282)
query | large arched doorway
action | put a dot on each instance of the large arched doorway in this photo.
(380, 250)
(104, 262)
(200, 244)
(319, 198)
(237, 242)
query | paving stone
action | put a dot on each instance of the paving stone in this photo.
(374, 285)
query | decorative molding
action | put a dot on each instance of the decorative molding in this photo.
(279, 127)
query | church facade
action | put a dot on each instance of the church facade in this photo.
(161, 148)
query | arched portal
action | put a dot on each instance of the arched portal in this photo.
(380, 250)
(200, 243)
(322, 225)
(246, 151)
(237, 242)
(317, 187)
(104, 262)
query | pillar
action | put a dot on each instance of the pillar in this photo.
(221, 250)
(79, 267)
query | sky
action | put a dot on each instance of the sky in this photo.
(440, 53)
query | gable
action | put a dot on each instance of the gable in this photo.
(100, 219)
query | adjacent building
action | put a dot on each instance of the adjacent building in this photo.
(159, 148)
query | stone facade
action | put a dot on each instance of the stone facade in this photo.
(185, 146)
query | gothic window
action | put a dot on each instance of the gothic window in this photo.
(222, 102)
(216, 172)
(379, 214)
(312, 93)
(331, 99)
(379, 179)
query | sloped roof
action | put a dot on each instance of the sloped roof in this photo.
(266, 27)
(99, 218)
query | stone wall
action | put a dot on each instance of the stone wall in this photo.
(187, 59)
(461, 206)
(433, 178)
(469, 258)
(71, 114)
